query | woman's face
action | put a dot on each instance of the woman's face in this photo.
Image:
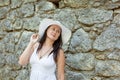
(53, 32)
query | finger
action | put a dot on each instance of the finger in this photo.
(36, 36)
(33, 36)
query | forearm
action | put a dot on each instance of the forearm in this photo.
(24, 58)
(61, 77)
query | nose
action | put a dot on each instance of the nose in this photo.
(55, 31)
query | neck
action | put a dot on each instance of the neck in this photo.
(48, 43)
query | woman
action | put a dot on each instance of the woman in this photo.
(44, 51)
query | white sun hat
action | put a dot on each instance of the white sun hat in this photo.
(66, 33)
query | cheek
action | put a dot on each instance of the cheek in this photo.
(48, 32)
(58, 36)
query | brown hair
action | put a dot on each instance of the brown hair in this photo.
(56, 45)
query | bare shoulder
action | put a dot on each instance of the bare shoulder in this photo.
(61, 54)
(61, 51)
(61, 58)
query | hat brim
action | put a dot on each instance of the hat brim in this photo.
(66, 33)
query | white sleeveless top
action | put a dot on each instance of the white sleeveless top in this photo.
(42, 69)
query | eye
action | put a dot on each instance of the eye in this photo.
(58, 31)
(53, 29)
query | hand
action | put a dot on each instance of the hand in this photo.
(34, 38)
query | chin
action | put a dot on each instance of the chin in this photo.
(52, 38)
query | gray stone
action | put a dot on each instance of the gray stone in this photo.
(31, 24)
(3, 12)
(15, 3)
(67, 18)
(61, 4)
(96, 4)
(115, 55)
(6, 73)
(117, 19)
(8, 42)
(12, 61)
(2, 47)
(28, 1)
(115, 0)
(6, 25)
(74, 76)
(113, 5)
(2, 60)
(108, 39)
(12, 15)
(107, 68)
(84, 61)
(80, 41)
(76, 3)
(18, 24)
(4, 2)
(45, 6)
(23, 75)
(2, 34)
(26, 10)
(91, 16)
(23, 42)
(17, 36)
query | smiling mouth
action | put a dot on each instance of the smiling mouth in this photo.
(53, 35)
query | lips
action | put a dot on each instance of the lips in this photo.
(53, 35)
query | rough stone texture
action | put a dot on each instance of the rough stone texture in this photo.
(75, 76)
(4, 2)
(76, 3)
(115, 55)
(31, 24)
(3, 12)
(15, 3)
(26, 10)
(93, 51)
(28, 1)
(113, 5)
(80, 41)
(107, 68)
(22, 75)
(108, 39)
(84, 61)
(117, 19)
(45, 6)
(6, 25)
(115, 0)
(8, 43)
(18, 24)
(98, 16)
(2, 60)
(68, 18)
(117, 11)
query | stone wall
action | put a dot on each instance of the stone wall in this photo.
(93, 52)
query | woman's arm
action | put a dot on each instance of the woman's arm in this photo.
(60, 65)
(25, 56)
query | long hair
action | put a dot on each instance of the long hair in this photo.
(56, 45)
